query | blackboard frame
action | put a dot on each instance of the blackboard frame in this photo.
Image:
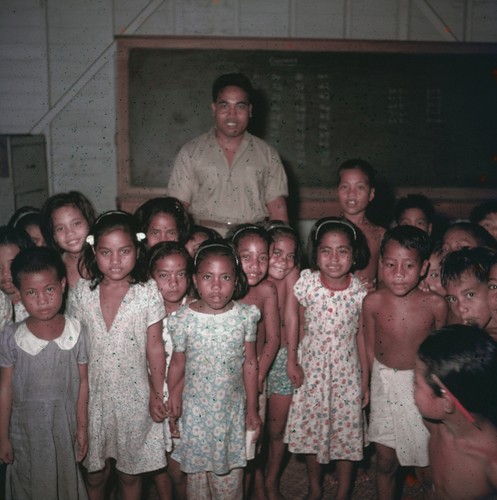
(315, 201)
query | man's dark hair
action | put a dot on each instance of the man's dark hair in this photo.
(232, 80)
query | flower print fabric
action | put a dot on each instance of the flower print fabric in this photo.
(325, 415)
(213, 418)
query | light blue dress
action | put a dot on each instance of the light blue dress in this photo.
(214, 400)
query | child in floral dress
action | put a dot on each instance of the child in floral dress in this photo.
(212, 377)
(325, 420)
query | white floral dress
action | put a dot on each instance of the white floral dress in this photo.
(325, 415)
(213, 418)
(120, 425)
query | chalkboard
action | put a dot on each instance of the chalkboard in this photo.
(425, 117)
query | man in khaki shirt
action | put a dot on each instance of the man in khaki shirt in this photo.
(228, 176)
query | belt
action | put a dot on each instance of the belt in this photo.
(225, 225)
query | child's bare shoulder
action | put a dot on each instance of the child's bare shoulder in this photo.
(373, 301)
(267, 288)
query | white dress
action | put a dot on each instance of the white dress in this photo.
(120, 425)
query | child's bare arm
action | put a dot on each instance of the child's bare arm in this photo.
(363, 360)
(156, 358)
(368, 330)
(294, 370)
(175, 378)
(250, 380)
(6, 374)
(82, 413)
(271, 318)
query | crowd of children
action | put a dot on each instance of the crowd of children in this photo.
(136, 344)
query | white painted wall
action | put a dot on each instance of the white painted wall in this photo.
(58, 76)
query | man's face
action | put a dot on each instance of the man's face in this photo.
(231, 112)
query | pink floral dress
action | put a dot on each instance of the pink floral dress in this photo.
(325, 415)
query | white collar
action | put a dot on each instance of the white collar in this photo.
(31, 344)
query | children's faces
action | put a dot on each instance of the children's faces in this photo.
(455, 239)
(334, 258)
(70, 228)
(215, 281)
(468, 300)
(162, 227)
(170, 273)
(354, 191)
(490, 223)
(7, 253)
(194, 242)
(433, 278)
(254, 256)
(115, 254)
(282, 259)
(402, 268)
(42, 293)
(415, 217)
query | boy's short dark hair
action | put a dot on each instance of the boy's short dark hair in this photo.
(409, 237)
(481, 211)
(36, 259)
(476, 261)
(232, 80)
(359, 164)
(415, 201)
(482, 237)
(464, 358)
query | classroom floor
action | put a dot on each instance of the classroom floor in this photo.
(294, 484)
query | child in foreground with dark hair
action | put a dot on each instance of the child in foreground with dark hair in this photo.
(456, 392)
(396, 319)
(214, 353)
(43, 386)
(123, 313)
(325, 421)
(465, 279)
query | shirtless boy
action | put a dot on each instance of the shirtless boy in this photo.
(460, 361)
(355, 191)
(396, 319)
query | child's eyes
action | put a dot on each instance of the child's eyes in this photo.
(59, 229)
(492, 287)
(470, 295)
(181, 274)
(434, 275)
(29, 293)
(50, 289)
(450, 299)
(263, 258)
(226, 278)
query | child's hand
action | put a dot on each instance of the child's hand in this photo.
(253, 421)
(6, 453)
(174, 428)
(175, 406)
(295, 374)
(81, 444)
(423, 286)
(157, 408)
(369, 285)
(365, 395)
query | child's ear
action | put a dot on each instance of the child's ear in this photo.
(194, 279)
(448, 405)
(371, 194)
(63, 283)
